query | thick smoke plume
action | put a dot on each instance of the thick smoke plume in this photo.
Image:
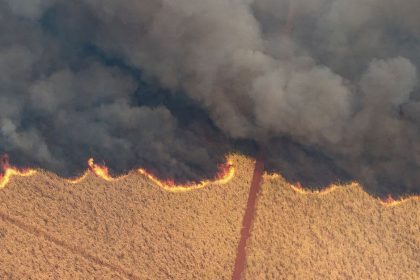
(330, 87)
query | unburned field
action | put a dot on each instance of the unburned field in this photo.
(339, 234)
(128, 228)
(132, 229)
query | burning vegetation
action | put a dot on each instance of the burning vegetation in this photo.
(224, 175)
(301, 232)
(297, 187)
(332, 234)
(7, 172)
(129, 226)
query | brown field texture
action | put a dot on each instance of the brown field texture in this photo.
(132, 229)
(128, 227)
(341, 233)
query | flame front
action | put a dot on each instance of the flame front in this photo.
(390, 201)
(299, 189)
(225, 174)
(79, 179)
(99, 170)
(10, 172)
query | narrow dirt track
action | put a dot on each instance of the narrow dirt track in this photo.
(249, 215)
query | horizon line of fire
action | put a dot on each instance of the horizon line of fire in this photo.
(224, 175)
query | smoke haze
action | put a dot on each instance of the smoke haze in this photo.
(329, 87)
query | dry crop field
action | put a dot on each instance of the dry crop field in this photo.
(131, 229)
(341, 233)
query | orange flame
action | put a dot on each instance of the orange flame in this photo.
(9, 172)
(387, 202)
(99, 170)
(225, 174)
(391, 202)
(79, 179)
(299, 189)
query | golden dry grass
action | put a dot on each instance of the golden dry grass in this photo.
(25, 256)
(129, 227)
(339, 234)
(132, 229)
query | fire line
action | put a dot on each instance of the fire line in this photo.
(7, 172)
(389, 201)
(225, 174)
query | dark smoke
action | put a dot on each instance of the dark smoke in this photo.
(329, 87)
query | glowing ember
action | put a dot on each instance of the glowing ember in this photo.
(79, 179)
(226, 173)
(299, 189)
(390, 201)
(99, 170)
(8, 172)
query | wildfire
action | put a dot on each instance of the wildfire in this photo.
(225, 174)
(9, 172)
(99, 170)
(391, 202)
(387, 202)
(299, 189)
(79, 179)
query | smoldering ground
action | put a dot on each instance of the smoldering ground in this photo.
(329, 87)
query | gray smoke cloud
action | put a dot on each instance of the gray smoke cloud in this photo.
(62, 102)
(333, 80)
